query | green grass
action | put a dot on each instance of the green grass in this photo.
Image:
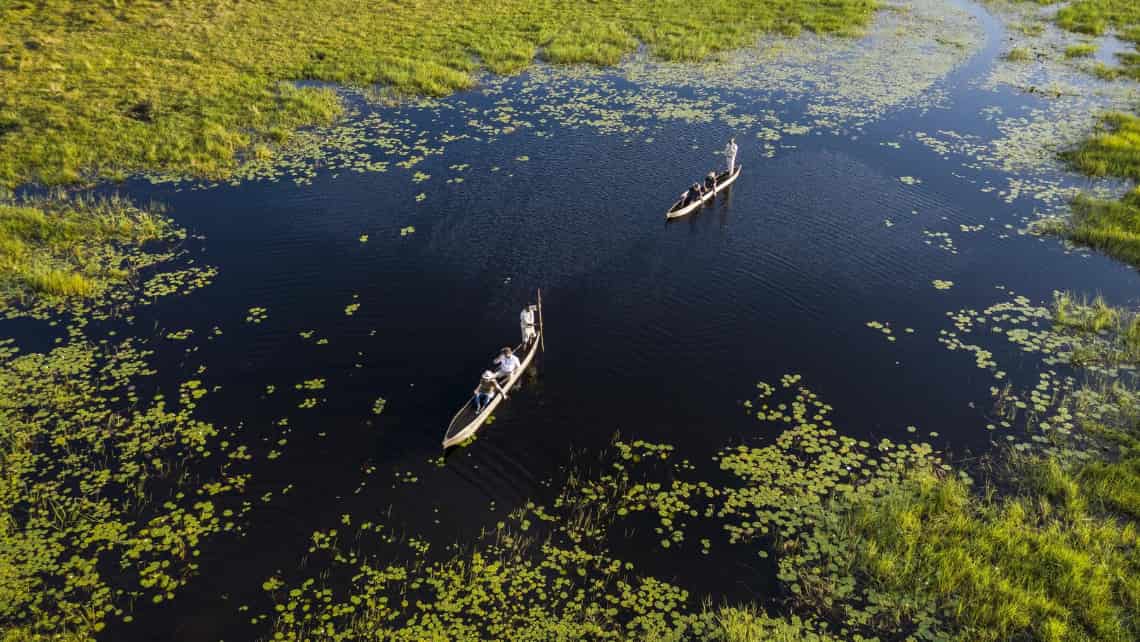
(1095, 316)
(1082, 50)
(1113, 150)
(1095, 17)
(1019, 54)
(100, 89)
(1040, 565)
(70, 247)
(1112, 227)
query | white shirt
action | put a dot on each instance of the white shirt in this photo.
(526, 317)
(730, 151)
(507, 365)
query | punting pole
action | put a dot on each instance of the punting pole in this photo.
(541, 325)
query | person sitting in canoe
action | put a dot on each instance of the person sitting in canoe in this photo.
(526, 321)
(507, 362)
(710, 182)
(693, 195)
(486, 390)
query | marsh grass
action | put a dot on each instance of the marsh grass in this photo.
(1112, 227)
(1019, 54)
(1039, 565)
(1113, 150)
(1082, 50)
(1095, 17)
(71, 246)
(1090, 316)
(102, 89)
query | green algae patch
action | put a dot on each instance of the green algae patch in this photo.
(74, 247)
(99, 90)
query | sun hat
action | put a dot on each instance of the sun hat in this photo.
(487, 374)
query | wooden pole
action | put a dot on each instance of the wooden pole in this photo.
(541, 325)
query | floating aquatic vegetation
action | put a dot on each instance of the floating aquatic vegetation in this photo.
(406, 231)
(86, 534)
(940, 284)
(378, 405)
(256, 315)
(884, 328)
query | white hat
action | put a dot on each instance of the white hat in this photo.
(487, 374)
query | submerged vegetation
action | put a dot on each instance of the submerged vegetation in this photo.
(96, 90)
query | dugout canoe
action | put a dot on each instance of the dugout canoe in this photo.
(467, 422)
(723, 180)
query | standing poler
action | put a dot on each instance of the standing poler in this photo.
(730, 155)
(526, 322)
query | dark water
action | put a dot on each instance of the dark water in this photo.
(655, 331)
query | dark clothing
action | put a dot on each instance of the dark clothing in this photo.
(693, 196)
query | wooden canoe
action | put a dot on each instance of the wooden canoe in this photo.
(723, 180)
(467, 422)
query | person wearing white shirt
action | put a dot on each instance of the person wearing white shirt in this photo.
(526, 322)
(730, 155)
(507, 363)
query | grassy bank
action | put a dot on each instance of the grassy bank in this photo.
(100, 89)
(65, 247)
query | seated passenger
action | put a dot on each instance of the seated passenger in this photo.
(486, 390)
(507, 363)
(693, 195)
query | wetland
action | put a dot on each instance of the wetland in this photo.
(883, 388)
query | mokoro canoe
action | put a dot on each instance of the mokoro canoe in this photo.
(466, 422)
(723, 180)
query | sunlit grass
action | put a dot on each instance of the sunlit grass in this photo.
(1094, 316)
(1095, 17)
(1082, 50)
(1114, 150)
(102, 89)
(1112, 227)
(70, 247)
(1000, 568)
(1019, 54)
